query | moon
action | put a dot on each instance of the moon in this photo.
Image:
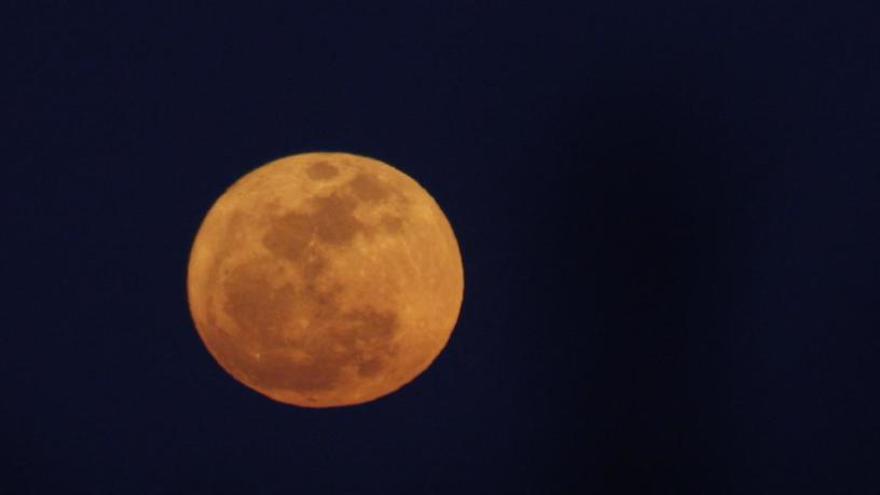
(325, 279)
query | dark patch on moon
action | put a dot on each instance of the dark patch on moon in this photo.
(369, 188)
(257, 308)
(321, 170)
(289, 236)
(361, 339)
(370, 367)
(332, 221)
(392, 224)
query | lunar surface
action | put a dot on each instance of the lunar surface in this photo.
(325, 279)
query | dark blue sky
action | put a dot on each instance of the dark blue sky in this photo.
(667, 214)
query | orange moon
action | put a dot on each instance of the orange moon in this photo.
(325, 279)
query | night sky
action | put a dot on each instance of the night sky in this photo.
(668, 216)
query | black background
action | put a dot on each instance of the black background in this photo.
(667, 213)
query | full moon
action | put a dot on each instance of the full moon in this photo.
(325, 279)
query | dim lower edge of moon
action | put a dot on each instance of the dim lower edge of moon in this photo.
(325, 279)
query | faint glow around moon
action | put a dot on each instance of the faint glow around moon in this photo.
(325, 279)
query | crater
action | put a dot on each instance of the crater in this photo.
(321, 170)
